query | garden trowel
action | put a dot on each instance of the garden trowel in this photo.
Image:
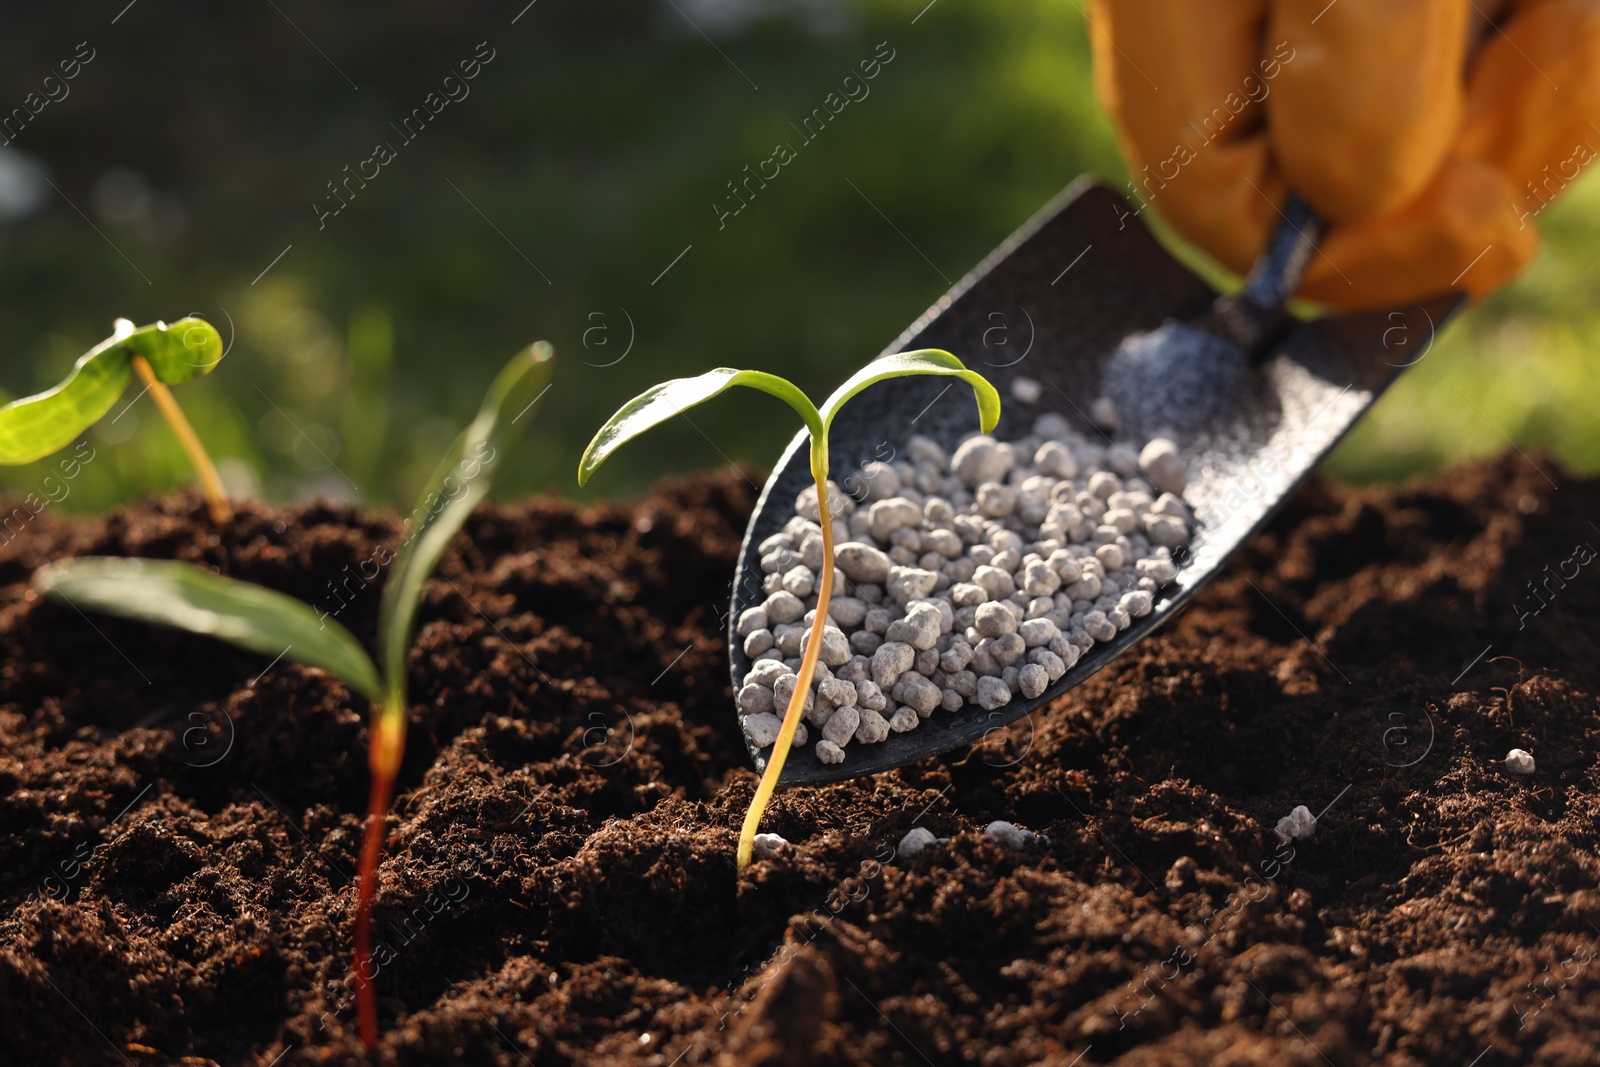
(1083, 313)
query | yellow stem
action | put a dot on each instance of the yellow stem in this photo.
(802, 687)
(216, 500)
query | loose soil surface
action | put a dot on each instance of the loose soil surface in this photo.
(180, 821)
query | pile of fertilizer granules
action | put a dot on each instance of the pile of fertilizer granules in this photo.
(964, 579)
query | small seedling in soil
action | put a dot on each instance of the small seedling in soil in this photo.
(656, 405)
(158, 355)
(262, 620)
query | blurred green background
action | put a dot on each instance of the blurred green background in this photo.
(178, 173)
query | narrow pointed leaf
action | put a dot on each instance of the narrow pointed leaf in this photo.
(186, 597)
(461, 480)
(924, 361)
(660, 403)
(36, 426)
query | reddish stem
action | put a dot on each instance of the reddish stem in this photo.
(384, 749)
(366, 892)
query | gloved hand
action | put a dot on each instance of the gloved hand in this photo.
(1426, 135)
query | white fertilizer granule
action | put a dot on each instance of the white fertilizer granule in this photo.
(916, 840)
(1298, 825)
(960, 580)
(765, 846)
(1009, 834)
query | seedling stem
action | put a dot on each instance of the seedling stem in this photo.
(808, 664)
(383, 758)
(216, 499)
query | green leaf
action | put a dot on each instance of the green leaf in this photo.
(461, 480)
(186, 597)
(658, 404)
(36, 426)
(924, 361)
(186, 349)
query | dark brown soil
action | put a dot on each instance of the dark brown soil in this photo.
(177, 833)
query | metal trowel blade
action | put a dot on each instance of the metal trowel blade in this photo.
(1084, 301)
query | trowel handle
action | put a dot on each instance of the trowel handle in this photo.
(1254, 318)
(1277, 270)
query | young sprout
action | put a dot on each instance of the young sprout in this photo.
(159, 355)
(187, 597)
(660, 403)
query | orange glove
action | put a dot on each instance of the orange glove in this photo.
(1427, 136)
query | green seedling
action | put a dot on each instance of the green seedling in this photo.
(158, 355)
(660, 403)
(190, 598)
